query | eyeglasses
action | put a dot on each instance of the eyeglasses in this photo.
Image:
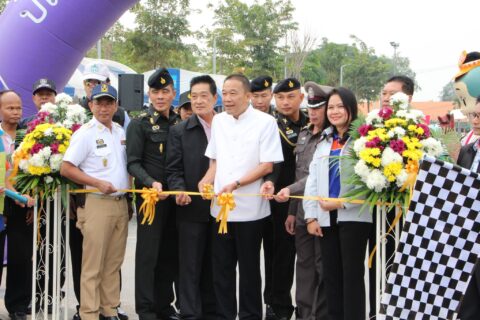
(92, 82)
(473, 115)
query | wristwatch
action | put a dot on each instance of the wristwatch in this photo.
(237, 184)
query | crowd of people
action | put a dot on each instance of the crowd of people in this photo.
(185, 268)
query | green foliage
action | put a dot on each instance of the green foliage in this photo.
(249, 38)
(448, 93)
(3, 3)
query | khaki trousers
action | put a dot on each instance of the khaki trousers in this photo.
(104, 225)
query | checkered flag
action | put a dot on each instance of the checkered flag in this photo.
(438, 247)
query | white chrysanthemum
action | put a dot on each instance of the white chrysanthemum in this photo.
(399, 100)
(49, 107)
(399, 131)
(56, 162)
(23, 165)
(414, 115)
(376, 181)
(362, 170)
(373, 117)
(359, 144)
(63, 98)
(389, 156)
(432, 147)
(68, 123)
(48, 132)
(46, 152)
(48, 179)
(401, 178)
(37, 160)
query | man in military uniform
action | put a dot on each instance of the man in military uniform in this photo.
(262, 94)
(156, 264)
(96, 158)
(310, 291)
(291, 120)
(184, 108)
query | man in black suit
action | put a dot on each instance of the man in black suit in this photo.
(186, 166)
(469, 158)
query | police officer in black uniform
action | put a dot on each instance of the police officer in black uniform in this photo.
(291, 120)
(155, 260)
(262, 95)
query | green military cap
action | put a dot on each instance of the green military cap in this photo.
(160, 79)
(261, 83)
(287, 85)
(185, 100)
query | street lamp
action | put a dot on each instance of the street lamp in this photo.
(341, 73)
(395, 46)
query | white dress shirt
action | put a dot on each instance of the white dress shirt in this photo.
(100, 153)
(239, 146)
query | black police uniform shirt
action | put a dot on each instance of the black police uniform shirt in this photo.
(147, 145)
(289, 132)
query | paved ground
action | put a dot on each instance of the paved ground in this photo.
(127, 298)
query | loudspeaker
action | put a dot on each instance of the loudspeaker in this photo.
(130, 91)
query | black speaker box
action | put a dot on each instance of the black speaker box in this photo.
(130, 91)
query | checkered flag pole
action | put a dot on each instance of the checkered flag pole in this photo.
(438, 247)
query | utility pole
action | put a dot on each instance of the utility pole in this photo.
(214, 56)
(341, 73)
(99, 49)
(395, 46)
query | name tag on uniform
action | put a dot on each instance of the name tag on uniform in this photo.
(100, 143)
(302, 141)
(291, 134)
(99, 146)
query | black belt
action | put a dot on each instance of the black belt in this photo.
(107, 197)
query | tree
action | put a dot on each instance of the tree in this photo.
(448, 93)
(250, 37)
(299, 46)
(3, 3)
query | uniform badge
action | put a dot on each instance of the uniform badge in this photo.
(284, 121)
(162, 81)
(189, 96)
(156, 128)
(100, 143)
(290, 84)
(161, 148)
(105, 162)
(266, 84)
(289, 131)
(155, 113)
(104, 88)
(152, 121)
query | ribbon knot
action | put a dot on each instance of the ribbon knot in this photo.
(150, 199)
(227, 203)
(207, 191)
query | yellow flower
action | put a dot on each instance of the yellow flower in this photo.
(62, 148)
(392, 170)
(395, 122)
(371, 156)
(59, 137)
(38, 171)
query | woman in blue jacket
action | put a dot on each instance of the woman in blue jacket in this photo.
(343, 229)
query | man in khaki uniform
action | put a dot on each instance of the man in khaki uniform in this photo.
(97, 159)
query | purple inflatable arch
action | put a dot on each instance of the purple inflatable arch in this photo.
(49, 38)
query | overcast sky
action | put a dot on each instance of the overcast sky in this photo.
(432, 34)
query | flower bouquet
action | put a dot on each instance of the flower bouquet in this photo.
(388, 145)
(38, 159)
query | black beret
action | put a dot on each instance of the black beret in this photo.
(184, 99)
(261, 83)
(287, 85)
(160, 79)
(316, 94)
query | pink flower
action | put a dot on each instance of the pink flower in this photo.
(426, 129)
(54, 148)
(374, 143)
(75, 127)
(36, 147)
(397, 146)
(364, 128)
(385, 113)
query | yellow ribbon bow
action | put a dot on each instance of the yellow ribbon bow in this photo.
(227, 203)
(412, 169)
(150, 199)
(207, 191)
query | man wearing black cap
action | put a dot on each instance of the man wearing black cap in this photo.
(155, 266)
(262, 94)
(310, 293)
(290, 120)
(44, 90)
(184, 108)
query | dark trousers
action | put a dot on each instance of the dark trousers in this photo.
(470, 304)
(283, 265)
(197, 297)
(344, 246)
(156, 265)
(18, 292)
(240, 245)
(3, 235)
(267, 240)
(310, 293)
(389, 254)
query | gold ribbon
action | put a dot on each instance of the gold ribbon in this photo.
(227, 203)
(150, 199)
(412, 169)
